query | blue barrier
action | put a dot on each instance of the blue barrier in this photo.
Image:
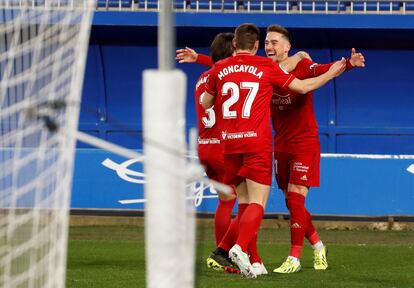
(349, 186)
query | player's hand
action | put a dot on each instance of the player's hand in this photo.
(186, 55)
(304, 55)
(338, 68)
(357, 59)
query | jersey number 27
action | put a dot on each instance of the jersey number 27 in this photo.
(232, 89)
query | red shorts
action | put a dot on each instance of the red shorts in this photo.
(214, 168)
(297, 168)
(256, 166)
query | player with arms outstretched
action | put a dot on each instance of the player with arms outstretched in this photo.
(297, 148)
(243, 85)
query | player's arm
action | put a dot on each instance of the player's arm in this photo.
(314, 69)
(207, 100)
(307, 85)
(290, 63)
(188, 55)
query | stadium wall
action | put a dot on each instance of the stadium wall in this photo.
(364, 111)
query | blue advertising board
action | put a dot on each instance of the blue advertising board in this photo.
(371, 185)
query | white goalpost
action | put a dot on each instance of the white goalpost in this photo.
(43, 47)
(169, 227)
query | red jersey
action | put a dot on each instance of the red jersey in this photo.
(208, 132)
(243, 85)
(293, 117)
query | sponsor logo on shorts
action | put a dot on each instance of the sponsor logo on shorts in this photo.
(295, 225)
(299, 167)
(304, 178)
(238, 135)
(205, 141)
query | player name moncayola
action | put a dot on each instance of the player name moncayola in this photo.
(240, 68)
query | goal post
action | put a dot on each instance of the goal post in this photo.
(165, 191)
(42, 58)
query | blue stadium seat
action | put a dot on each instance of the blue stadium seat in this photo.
(114, 3)
(409, 6)
(179, 4)
(259, 5)
(231, 4)
(148, 4)
(375, 5)
(321, 5)
(205, 4)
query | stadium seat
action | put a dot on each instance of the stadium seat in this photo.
(375, 6)
(262, 5)
(321, 5)
(205, 4)
(409, 6)
(179, 4)
(148, 4)
(232, 4)
(114, 3)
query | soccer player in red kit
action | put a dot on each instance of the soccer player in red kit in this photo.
(296, 147)
(209, 144)
(218, 260)
(243, 85)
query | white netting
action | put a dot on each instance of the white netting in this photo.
(43, 48)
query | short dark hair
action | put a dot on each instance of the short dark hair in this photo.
(280, 29)
(246, 35)
(222, 46)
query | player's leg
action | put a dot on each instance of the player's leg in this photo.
(226, 202)
(257, 263)
(295, 194)
(298, 225)
(214, 168)
(304, 172)
(320, 250)
(218, 259)
(257, 169)
(282, 173)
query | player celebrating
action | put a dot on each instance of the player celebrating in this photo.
(296, 148)
(209, 144)
(219, 259)
(244, 85)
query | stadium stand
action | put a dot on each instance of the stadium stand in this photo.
(377, 6)
(322, 6)
(261, 6)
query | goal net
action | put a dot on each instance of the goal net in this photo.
(43, 45)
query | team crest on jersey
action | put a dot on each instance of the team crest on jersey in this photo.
(313, 66)
(283, 69)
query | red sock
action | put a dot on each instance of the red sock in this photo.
(249, 224)
(252, 250)
(311, 233)
(230, 237)
(222, 218)
(298, 222)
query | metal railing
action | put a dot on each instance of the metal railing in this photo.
(239, 6)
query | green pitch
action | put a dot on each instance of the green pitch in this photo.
(114, 257)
